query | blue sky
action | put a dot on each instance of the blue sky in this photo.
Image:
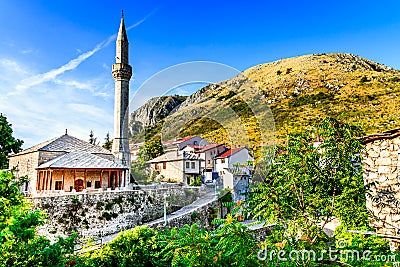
(56, 56)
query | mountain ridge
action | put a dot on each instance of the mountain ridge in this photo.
(299, 91)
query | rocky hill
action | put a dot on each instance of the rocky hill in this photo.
(289, 95)
(153, 111)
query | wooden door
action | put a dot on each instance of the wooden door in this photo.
(78, 185)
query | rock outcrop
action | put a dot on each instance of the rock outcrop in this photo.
(153, 111)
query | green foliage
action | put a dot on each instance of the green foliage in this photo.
(308, 185)
(314, 184)
(148, 151)
(153, 149)
(19, 245)
(109, 206)
(137, 247)
(230, 245)
(364, 79)
(107, 142)
(310, 99)
(99, 205)
(8, 144)
(227, 96)
(196, 181)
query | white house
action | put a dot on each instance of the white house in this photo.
(231, 158)
(237, 179)
(207, 153)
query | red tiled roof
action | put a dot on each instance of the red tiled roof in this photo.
(229, 152)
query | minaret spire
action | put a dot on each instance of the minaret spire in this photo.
(122, 73)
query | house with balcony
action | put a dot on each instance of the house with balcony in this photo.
(239, 156)
(176, 166)
(207, 153)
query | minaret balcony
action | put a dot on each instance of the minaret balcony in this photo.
(121, 71)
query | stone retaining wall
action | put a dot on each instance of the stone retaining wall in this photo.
(203, 215)
(103, 213)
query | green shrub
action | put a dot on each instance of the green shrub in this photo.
(106, 215)
(109, 206)
(364, 79)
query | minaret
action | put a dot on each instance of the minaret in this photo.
(122, 73)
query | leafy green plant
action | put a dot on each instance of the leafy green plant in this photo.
(196, 181)
(109, 205)
(8, 143)
(19, 244)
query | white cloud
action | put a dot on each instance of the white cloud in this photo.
(91, 86)
(72, 64)
(11, 65)
(52, 74)
(43, 112)
(27, 51)
(54, 102)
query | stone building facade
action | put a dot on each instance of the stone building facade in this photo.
(66, 164)
(381, 173)
(176, 166)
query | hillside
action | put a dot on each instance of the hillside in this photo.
(298, 91)
(153, 111)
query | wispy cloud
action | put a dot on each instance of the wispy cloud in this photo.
(74, 63)
(48, 110)
(91, 86)
(52, 74)
(28, 51)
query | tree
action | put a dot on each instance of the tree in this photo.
(19, 244)
(153, 149)
(149, 151)
(107, 142)
(309, 185)
(312, 184)
(92, 139)
(8, 143)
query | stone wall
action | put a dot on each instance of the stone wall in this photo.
(26, 166)
(104, 213)
(203, 215)
(381, 165)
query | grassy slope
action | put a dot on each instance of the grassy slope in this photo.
(299, 91)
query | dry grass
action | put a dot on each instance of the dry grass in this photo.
(300, 91)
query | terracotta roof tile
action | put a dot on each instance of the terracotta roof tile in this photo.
(229, 152)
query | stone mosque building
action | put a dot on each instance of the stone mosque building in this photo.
(68, 164)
